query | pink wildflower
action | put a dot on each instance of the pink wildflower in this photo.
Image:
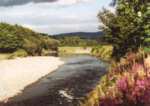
(137, 67)
(122, 84)
(134, 92)
(141, 83)
(129, 96)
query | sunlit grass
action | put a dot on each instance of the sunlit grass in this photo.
(72, 49)
(104, 52)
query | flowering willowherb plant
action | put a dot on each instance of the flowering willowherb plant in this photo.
(128, 84)
(137, 67)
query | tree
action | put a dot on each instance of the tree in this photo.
(13, 37)
(9, 40)
(127, 28)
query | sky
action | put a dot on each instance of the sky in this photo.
(53, 16)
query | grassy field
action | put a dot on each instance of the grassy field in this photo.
(75, 49)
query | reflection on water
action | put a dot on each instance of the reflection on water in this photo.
(65, 86)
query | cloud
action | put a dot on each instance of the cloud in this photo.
(42, 3)
(47, 18)
(21, 2)
(53, 23)
(59, 3)
(63, 28)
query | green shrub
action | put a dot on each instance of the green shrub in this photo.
(18, 53)
(30, 47)
(9, 41)
(101, 51)
(45, 51)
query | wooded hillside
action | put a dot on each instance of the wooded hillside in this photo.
(14, 37)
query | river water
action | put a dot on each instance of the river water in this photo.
(65, 86)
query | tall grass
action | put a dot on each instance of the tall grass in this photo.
(103, 52)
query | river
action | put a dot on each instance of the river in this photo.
(65, 86)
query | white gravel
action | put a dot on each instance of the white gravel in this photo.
(83, 51)
(16, 74)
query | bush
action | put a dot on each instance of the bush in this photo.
(18, 53)
(45, 51)
(31, 47)
(9, 42)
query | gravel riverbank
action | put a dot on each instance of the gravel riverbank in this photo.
(16, 74)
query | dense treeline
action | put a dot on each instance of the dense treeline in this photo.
(77, 41)
(14, 37)
(82, 35)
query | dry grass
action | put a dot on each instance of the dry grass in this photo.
(74, 49)
(103, 52)
(4, 56)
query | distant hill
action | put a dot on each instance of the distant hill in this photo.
(82, 35)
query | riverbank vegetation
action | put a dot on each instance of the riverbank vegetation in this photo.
(81, 50)
(102, 52)
(19, 41)
(78, 42)
(81, 35)
(22, 41)
(128, 80)
(127, 83)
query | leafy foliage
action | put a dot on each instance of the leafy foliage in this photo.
(9, 40)
(14, 37)
(18, 53)
(128, 28)
(76, 41)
